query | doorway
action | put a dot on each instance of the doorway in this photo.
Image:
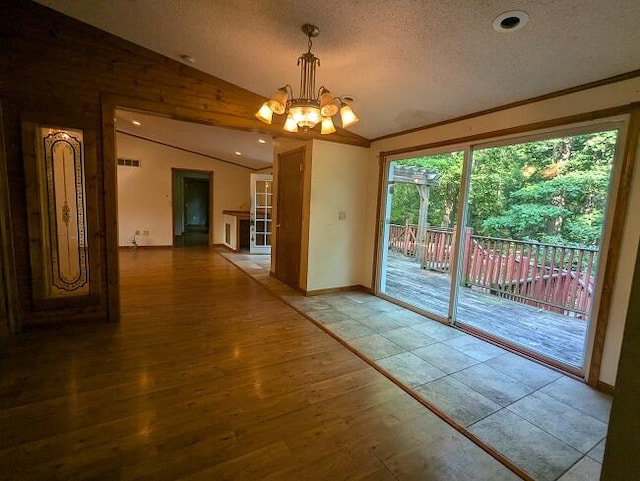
(191, 207)
(260, 216)
(289, 217)
(506, 241)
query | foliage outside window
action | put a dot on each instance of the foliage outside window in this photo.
(551, 191)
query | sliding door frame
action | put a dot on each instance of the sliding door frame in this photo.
(618, 124)
(626, 119)
(383, 226)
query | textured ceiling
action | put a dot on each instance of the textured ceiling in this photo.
(408, 63)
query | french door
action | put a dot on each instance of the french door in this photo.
(504, 239)
(261, 208)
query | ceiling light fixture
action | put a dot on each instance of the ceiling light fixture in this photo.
(312, 106)
(510, 21)
(238, 153)
(262, 141)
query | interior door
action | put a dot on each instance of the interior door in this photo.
(289, 216)
(261, 208)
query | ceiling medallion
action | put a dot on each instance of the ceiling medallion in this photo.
(312, 106)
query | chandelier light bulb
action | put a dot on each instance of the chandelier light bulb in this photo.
(306, 115)
(328, 107)
(347, 116)
(278, 102)
(290, 125)
(327, 126)
(265, 113)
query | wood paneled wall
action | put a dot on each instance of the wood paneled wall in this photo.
(57, 70)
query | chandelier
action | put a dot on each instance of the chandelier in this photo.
(312, 106)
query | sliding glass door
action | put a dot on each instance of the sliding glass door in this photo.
(533, 238)
(420, 230)
(521, 265)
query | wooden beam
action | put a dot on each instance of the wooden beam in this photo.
(407, 174)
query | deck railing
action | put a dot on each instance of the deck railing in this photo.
(402, 238)
(552, 277)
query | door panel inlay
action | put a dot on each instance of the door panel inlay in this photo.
(65, 205)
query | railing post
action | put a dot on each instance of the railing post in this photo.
(466, 254)
(406, 237)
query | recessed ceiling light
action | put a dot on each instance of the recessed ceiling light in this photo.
(135, 122)
(238, 153)
(262, 141)
(510, 21)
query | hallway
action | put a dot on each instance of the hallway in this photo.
(209, 376)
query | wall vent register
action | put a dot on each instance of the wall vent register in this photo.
(128, 162)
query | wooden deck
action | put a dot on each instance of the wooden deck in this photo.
(550, 334)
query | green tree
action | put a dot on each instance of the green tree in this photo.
(443, 199)
(564, 198)
(549, 190)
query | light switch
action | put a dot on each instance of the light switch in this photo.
(342, 215)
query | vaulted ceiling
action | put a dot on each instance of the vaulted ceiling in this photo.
(407, 63)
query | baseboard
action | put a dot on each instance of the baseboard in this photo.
(226, 247)
(331, 290)
(605, 387)
(130, 248)
(335, 290)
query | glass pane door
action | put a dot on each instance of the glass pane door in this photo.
(418, 235)
(532, 242)
(261, 207)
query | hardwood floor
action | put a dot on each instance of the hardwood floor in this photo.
(208, 376)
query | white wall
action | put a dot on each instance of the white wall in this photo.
(144, 193)
(621, 93)
(336, 186)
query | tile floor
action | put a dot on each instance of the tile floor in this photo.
(550, 425)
